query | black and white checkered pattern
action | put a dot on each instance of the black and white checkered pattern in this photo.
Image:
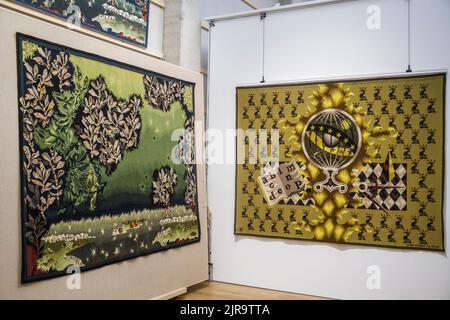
(394, 198)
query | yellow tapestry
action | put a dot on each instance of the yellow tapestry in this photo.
(356, 162)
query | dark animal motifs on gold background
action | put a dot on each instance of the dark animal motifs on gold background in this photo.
(413, 106)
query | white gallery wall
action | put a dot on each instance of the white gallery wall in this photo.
(318, 42)
(209, 8)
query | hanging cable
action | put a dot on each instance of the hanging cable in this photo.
(409, 37)
(263, 18)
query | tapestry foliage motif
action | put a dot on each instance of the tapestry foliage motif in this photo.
(102, 177)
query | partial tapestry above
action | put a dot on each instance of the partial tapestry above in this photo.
(103, 177)
(126, 20)
(356, 162)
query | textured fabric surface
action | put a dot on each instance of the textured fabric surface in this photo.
(370, 153)
(102, 177)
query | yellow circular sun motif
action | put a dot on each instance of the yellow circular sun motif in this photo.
(331, 140)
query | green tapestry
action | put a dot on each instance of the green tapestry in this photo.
(103, 177)
(356, 162)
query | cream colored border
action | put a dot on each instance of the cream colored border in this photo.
(49, 18)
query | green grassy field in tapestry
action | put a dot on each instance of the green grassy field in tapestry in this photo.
(131, 181)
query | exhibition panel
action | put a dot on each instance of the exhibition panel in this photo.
(308, 47)
(92, 158)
